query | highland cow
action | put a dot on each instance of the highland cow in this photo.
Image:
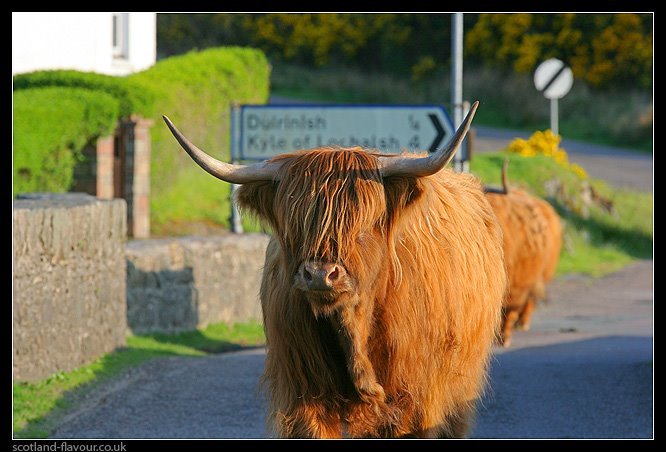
(382, 289)
(532, 240)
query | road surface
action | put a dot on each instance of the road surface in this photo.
(584, 370)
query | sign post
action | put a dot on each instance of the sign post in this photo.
(554, 80)
(235, 219)
(268, 130)
(260, 132)
(457, 81)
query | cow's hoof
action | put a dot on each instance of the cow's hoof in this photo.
(504, 341)
(523, 327)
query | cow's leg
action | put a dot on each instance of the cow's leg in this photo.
(457, 425)
(310, 421)
(525, 318)
(510, 318)
(353, 331)
(371, 414)
(459, 422)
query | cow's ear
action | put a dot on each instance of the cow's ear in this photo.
(401, 193)
(257, 198)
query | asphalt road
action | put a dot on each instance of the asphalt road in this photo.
(584, 370)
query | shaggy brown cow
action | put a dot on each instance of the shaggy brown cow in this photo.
(532, 241)
(381, 293)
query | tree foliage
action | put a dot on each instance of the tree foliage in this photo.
(376, 42)
(605, 50)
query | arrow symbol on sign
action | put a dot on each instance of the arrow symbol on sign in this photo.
(441, 133)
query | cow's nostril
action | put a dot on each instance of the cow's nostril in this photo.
(320, 276)
(333, 275)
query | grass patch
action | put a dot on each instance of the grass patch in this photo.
(597, 245)
(39, 406)
(196, 204)
(194, 196)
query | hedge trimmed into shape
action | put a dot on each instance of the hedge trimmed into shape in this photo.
(54, 119)
(51, 127)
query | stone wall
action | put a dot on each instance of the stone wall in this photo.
(69, 281)
(80, 287)
(179, 284)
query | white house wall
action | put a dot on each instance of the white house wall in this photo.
(143, 40)
(79, 40)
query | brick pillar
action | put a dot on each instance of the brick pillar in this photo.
(135, 137)
(104, 189)
(94, 173)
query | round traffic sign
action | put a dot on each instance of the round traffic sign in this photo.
(553, 78)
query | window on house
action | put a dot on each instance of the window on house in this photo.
(120, 38)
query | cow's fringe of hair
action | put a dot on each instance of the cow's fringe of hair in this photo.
(343, 195)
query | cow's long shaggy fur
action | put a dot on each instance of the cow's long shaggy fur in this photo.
(532, 243)
(406, 352)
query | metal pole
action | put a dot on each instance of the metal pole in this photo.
(465, 148)
(235, 218)
(554, 117)
(456, 78)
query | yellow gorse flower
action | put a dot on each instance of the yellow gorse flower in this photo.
(548, 144)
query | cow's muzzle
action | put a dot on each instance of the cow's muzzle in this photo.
(320, 276)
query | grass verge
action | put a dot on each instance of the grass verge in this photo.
(597, 244)
(39, 406)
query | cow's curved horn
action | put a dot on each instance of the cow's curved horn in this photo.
(425, 166)
(235, 174)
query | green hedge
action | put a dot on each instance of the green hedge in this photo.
(51, 126)
(131, 97)
(195, 91)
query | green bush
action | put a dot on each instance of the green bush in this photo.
(51, 126)
(195, 91)
(131, 97)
